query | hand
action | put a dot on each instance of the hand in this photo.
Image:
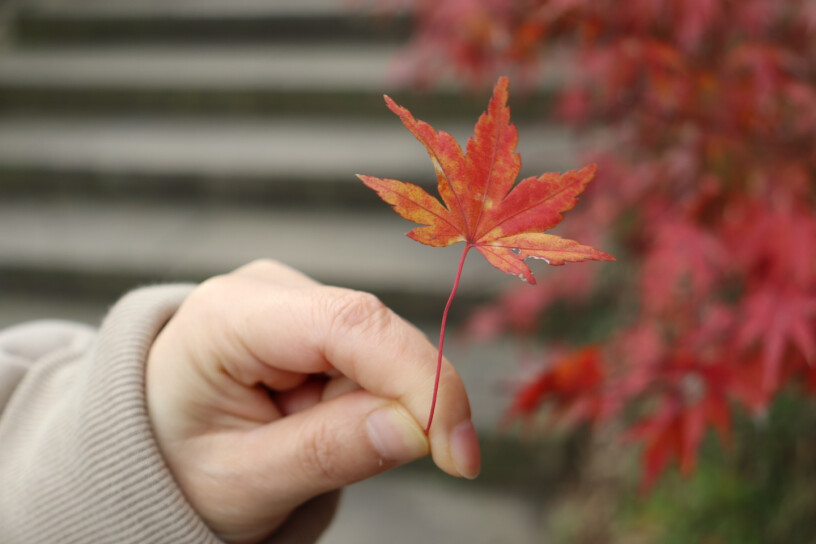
(268, 390)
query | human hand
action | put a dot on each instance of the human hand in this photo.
(267, 391)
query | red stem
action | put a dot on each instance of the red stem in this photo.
(442, 335)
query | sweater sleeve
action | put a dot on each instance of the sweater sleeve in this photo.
(78, 460)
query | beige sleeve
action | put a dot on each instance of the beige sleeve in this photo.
(78, 461)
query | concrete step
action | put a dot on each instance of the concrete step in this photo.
(283, 161)
(174, 21)
(217, 9)
(404, 507)
(339, 67)
(78, 246)
(284, 80)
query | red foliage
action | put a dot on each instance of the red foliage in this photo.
(691, 395)
(573, 381)
(480, 205)
(709, 180)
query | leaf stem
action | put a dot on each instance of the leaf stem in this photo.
(442, 335)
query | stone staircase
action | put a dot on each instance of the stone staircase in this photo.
(145, 141)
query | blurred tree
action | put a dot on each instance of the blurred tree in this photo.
(705, 111)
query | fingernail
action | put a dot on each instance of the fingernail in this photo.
(464, 447)
(396, 436)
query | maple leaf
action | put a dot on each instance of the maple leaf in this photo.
(696, 397)
(676, 431)
(573, 382)
(779, 317)
(680, 251)
(480, 205)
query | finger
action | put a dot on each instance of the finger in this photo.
(391, 358)
(300, 398)
(246, 374)
(314, 330)
(337, 386)
(316, 389)
(328, 446)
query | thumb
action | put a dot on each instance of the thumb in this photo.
(332, 444)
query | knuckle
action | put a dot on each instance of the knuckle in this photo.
(360, 312)
(318, 456)
(208, 303)
(209, 292)
(450, 384)
(448, 374)
(211, 303)
(217, 290)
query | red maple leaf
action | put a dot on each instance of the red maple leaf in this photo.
(683, 262)
(697, 396)
(573, 382)
(779, 317)
(676, 431)
(480, 205)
